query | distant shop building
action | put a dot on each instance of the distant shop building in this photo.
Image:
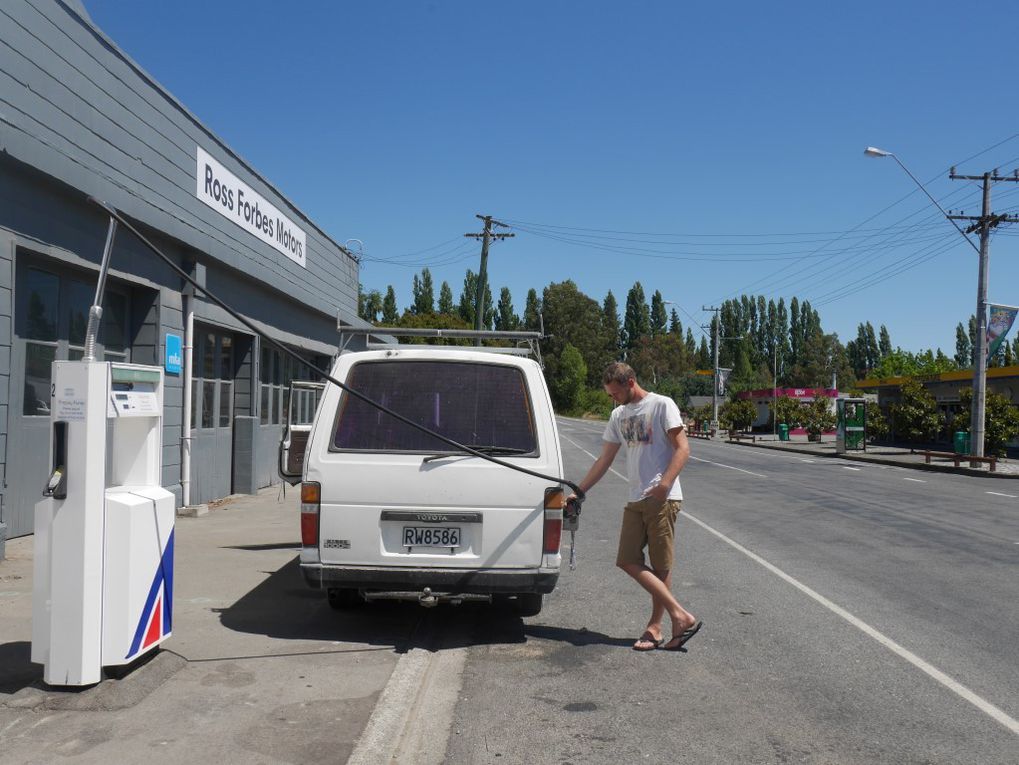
(763, 397)
(946, 388)
(79, 118)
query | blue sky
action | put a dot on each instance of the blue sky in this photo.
(724, 139)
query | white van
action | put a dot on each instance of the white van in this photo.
(388, 511)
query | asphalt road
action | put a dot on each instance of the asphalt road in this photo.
(853, 613)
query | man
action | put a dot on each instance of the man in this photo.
(656, 451)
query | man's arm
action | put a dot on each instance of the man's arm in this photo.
(600, 466)
(681, 445)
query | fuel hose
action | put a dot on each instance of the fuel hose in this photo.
(117, 216)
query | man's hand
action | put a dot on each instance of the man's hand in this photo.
(660, 491)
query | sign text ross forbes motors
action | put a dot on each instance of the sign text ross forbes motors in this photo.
(225, 193)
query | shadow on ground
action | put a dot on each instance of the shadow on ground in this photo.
(16, 668)
(284, 607)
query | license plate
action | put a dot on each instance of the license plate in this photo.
(431, 536)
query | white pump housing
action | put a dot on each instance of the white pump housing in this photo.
(104, 529)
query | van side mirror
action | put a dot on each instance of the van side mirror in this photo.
(302, 404)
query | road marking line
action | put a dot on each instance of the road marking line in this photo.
(915, 480)
(846, 467)
(950, 683)
(999, 494)
(585, 451)
(720, 464)
(806, 460)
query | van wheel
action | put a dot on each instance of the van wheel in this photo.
(528, 604)
(343, 598)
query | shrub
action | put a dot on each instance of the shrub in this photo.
(737, 415)
(915, 417)
(818, 416)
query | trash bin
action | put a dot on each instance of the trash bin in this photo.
(962, 442)
(783, 432)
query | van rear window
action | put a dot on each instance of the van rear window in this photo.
(475, 404)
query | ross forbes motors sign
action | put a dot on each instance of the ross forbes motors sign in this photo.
(225, 193)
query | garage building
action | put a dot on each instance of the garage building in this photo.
(79, 118)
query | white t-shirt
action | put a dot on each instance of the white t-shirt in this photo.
(643, 428)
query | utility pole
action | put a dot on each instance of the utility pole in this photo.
(982, 223)
(716, 327)
(485, 236)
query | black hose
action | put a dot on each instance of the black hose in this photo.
(115, 214)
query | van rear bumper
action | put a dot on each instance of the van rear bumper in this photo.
(441, 580)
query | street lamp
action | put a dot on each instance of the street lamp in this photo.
(980, 362)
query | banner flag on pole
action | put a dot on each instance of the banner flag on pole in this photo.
(723, 379)
(998, 325)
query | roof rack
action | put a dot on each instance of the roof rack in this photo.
(389, 336)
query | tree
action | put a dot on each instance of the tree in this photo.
(610, 319)
(567, 388)
(737, 414)
(370, 305)
(873, 351)
(532, 312)
(659, 318)
(900, 363)
(659, 358)
(573, 318)
(446, 305)
(1001, 420)
(818, 417)
(505, 319)
(915, 417)
(434, 321)
(468, 301)
(637, 320)
(423, 293)
(790, 411)
(675, 325)
(691, 344)
(963, 348)
(389, 310)
(704, 355)
(885, 342)
(795, 333)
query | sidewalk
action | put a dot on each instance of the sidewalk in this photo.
(884, 455)
(258, 670)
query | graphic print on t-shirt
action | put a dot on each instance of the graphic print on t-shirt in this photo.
(636, 429)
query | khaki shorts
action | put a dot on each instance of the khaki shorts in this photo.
(648, 523)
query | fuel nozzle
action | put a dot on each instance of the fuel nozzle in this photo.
(571, 513)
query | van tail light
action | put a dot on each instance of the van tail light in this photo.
(555, 501)
(311, 501)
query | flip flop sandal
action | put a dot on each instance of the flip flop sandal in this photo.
(683, 637)
(646, 638)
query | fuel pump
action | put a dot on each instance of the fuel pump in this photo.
(103, 585)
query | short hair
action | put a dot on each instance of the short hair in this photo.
(618, 372)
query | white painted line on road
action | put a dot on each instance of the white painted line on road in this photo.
(951, 684)
(999, 494)
(914, 480)
(585, 451)
(846, 467)
(720, 464)
(806, 460)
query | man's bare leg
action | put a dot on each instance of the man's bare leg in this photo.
(662, 599)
